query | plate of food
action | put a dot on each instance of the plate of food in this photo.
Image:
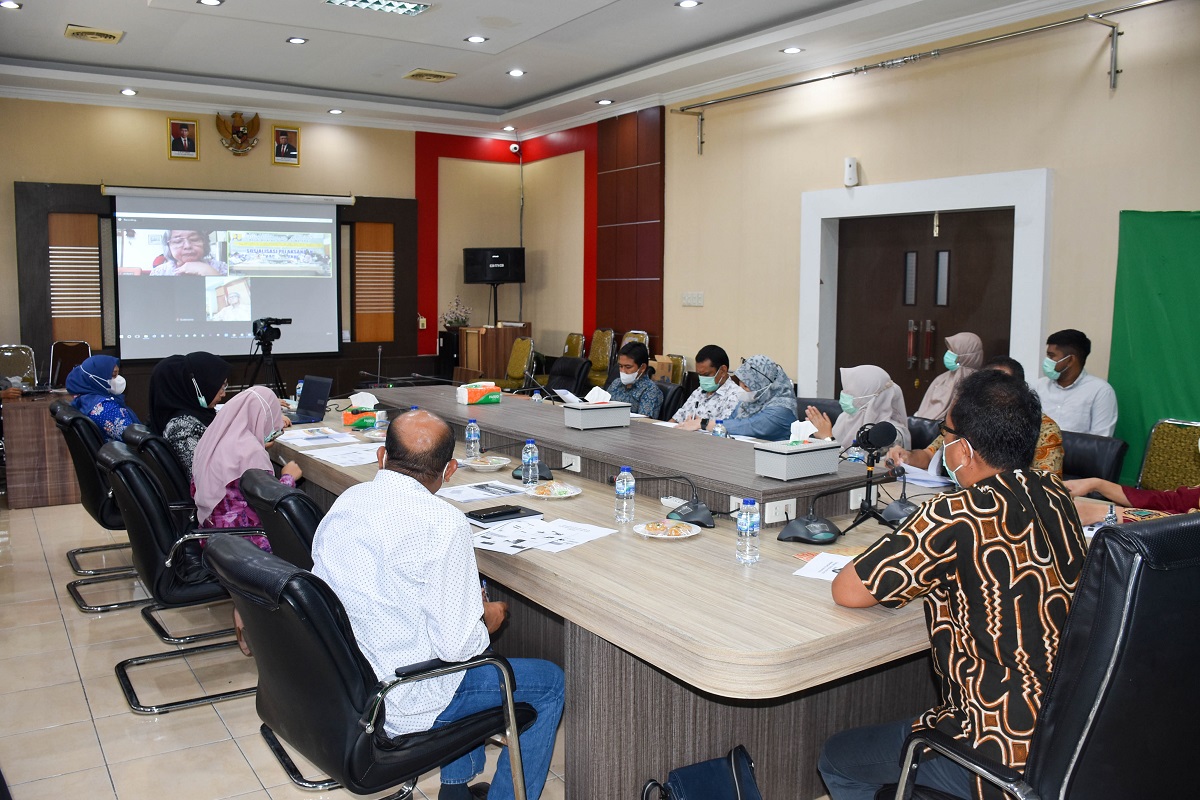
(375, 434)
(667, 529)
(553, 490)
(486, 463)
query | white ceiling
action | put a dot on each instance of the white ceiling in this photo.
(179, 54)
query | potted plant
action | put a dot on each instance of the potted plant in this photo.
(456, 316)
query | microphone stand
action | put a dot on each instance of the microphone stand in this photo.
(898, 511)
(544, 470)
(866, 509)
(693, 511)
(432, 378)
(804, 528)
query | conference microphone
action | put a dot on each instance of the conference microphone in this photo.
(545, 472)
(435, 379)
(876, 435)
(693, 511)
(375, 376)
(898, 511)
(819, 530)
(549, 393)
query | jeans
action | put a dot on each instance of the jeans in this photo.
(540, 684)
(856, 763)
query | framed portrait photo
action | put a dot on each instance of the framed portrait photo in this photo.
(286, 144)
(182, 141)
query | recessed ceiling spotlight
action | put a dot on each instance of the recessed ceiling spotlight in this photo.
(10, 4)
(791, 51)
(475, 39)
(516, 73)
(509, 129)
(335, 111)
(129, 92)
(210, 2)
(688, 3)
(296, 40)
(604, 102)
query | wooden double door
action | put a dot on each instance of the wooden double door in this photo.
(905, 283)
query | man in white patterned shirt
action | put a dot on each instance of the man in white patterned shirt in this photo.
(401, 561)
(717, 396)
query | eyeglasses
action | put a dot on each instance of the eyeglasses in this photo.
(943, 429)
(178, 241)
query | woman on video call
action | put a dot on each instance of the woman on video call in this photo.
(187, 253)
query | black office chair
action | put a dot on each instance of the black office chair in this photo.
(167, 558)
(318, 692)
(923, 431)
(83, 440)
(1086, 455)
(163, 463)
(570, 374)
(831, 407)
(673, 398)
(288, 515)
(1114, 721)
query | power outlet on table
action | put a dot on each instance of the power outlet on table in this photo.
(777, 510)
(856, 498)
(571, 462)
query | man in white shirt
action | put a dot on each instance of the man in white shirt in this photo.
(1070, 396)
(402, 563)
(717, 397)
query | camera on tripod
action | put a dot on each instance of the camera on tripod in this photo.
(265, 331)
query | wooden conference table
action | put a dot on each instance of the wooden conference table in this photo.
(39, 467)
(673, 652)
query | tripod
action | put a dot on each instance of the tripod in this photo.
(267, 359)
(866, 509)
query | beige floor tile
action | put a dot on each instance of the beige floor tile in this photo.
(33, 639)
(209, 772)
(99, 659)
(554, 789)
(99, 593)
(38, 612)
(23, 586)
(94, 784)
(46, 707)
(154, 683)
(267, 767)
(224, 670)
(37, 670)
(240, 716)
(289, 791)
(558, 760)
(41, 754)
(124, 737)
(261, 794)
(111, 626)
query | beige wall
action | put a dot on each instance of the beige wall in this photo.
(61, 143)
(554, 250)
(733, 214)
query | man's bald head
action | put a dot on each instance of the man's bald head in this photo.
(419, 444)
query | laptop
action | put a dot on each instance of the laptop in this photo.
(310, 405)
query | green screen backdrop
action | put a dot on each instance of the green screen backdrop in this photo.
(1155, 359)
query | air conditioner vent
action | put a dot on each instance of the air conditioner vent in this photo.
(89, 34)
(429, 75)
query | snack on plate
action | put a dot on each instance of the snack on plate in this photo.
(656, 527)
(679, 530)
(544, 489)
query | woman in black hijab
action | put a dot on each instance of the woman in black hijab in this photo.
(183, 393)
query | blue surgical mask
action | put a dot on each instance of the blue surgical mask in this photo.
(950, 360)
(1050, 367)
(946, 467)
(708, 384)
(846, 402)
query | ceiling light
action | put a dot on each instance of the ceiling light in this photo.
(335, 111)
(688, 3)
(296, 40)
(10, 4)
(509, 128)
(129, 92)
(516, 73)
(475, 39)
(791, 51)
(394, 6)
(604, 102)
(210, 2)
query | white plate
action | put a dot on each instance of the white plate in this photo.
(375, 434)
(671, 523)
(486, 463)
(561, 490)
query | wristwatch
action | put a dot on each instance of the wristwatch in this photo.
(703, 423)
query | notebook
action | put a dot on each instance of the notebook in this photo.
(310, 405)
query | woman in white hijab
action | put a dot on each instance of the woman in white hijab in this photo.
(868, 395)
(964, 355)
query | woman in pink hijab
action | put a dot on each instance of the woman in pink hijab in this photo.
(964, 355)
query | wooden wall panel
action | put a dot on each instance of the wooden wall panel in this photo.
(75, 305)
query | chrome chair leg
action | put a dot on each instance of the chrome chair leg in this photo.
(404, 791)
(73, 559)
(160, 630)
(73, 589)
(123, 667)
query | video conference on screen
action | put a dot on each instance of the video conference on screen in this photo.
(194, 275)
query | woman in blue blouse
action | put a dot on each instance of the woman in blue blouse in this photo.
(633, 384)
(99, 392)
(767, 402)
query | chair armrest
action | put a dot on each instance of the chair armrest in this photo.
(1007, 778)
(434, 668)
(196, 536)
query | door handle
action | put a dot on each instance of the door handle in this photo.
(927, 361)
(912, 344)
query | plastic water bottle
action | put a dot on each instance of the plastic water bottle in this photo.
(856, 454)
(537, 396)
(623, 508)
(414, 408)
(748, 524)
(529, 463)
(472, 439)
(299, 389)
(719, 429)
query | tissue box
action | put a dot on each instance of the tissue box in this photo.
(586, 416)
(476, 393)
(358, 417)
(788, 462)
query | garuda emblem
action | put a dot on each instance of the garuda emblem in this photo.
(238, 135)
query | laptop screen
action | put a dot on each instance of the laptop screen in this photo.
(314, 397)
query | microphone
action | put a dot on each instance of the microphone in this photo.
(378, 378)
(819, 530)
(693, 511)
(876, 435)
(540, 387)
(379, 359)
(898, 511)
(544, 470)
(435, 379)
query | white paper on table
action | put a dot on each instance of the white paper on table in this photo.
(485, 490)
(667, 424)
(349, 455)
(530, 534)
(568, 397)
(597, 395)
(923, 477)
(824, 566)
(1090, 530)
(635, 415)
(744, 438)
(307, 437)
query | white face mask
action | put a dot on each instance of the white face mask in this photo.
(746, 396)
(117, 385)
(628, 377)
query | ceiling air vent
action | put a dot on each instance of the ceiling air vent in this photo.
(89, 34)
(429, 75)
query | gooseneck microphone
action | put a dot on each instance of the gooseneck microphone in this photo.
(898, 511)
(545, 472)
(436, 379)
(693, 511)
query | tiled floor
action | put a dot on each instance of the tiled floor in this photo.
(65, 729)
